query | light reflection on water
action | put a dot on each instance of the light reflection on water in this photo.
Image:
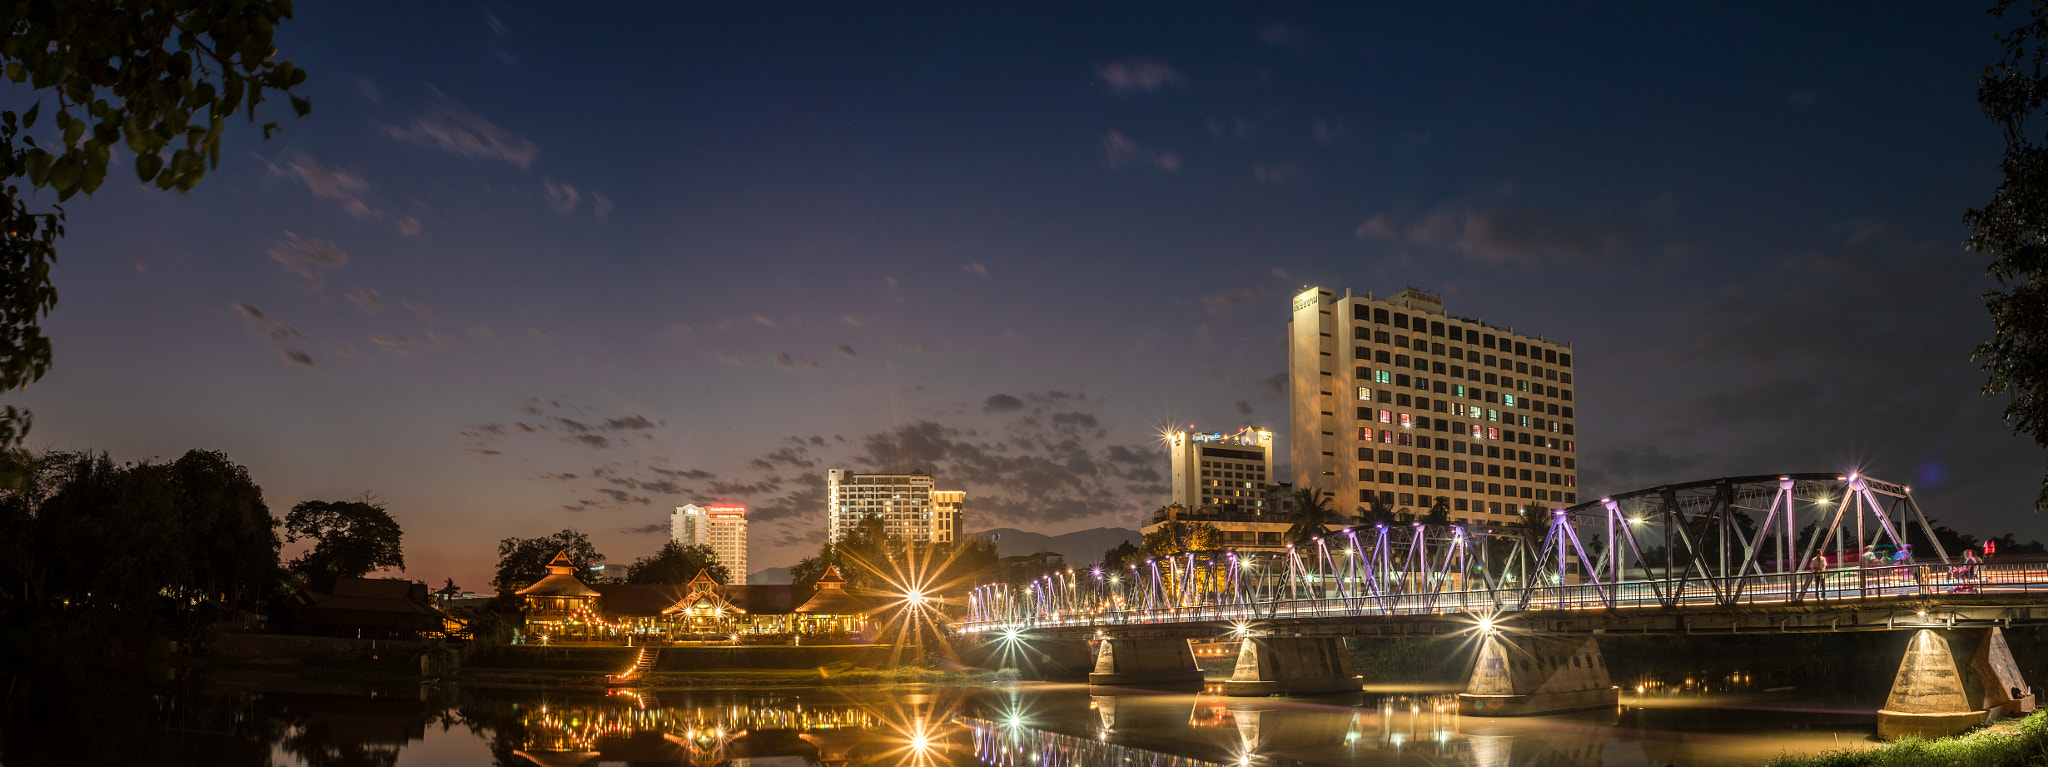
(1711, 721)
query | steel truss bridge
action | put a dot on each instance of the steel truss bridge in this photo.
(1721, 544)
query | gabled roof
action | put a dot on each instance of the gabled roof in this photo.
(708, 599)
(638, 600)
(559, 582)
(831, 597)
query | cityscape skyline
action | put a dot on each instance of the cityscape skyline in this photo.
(507, 292)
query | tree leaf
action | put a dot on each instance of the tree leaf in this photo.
(147, 166)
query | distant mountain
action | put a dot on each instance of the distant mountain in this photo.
(768, 576)
(1077, 546)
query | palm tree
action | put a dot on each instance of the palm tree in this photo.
(1312, 515)
(1372, 514)
(1439, 512)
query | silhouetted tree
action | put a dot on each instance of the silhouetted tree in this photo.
(677, 564)
(521, 561)
(2013, 228)
(147, 77)
(351, 539)
(1312, 515)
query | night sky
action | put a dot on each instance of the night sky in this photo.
(529, 267)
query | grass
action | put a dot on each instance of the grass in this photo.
(2016, 743)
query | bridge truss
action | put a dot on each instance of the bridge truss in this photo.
(1725, 542)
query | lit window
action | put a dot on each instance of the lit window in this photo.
(1364, 394)
(1568, 446)
(1406, 421)
(1492, 434)
(1507, 400)
(1492, 415)
(1476, 434)
(1386, 437)
(1386, 416)
(1382, 376)
(1459, 389)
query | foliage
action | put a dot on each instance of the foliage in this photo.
(2012, 745)
(1312, 515)
(1178, 537)
(1372, 513)
(1120, 556)
(351, 539)
(76, 530)
(1439, 512)
(677, 564)
(521, 561)
(2013, 228)
(153, 76)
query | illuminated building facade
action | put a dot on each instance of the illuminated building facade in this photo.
(563, 610)
(946, 509)
(1392, 398)
(1228, 471)
(908, 505)
(722, 527)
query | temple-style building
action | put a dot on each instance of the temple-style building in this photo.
(560, 608)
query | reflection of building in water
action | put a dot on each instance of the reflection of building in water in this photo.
(1002, 745)
(636, 728)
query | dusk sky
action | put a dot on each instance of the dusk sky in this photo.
(528, 267)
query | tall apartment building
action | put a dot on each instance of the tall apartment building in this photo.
(1391, 397)
(947, 506)
(723, 528)
(1227, 471)
(907, 504)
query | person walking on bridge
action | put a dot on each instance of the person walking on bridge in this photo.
(1819, 568)
(1865, 564)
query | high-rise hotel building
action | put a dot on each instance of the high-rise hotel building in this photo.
(1226, 471)
(723, 528)
(1392, 398)
(907, 504)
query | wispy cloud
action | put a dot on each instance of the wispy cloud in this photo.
(1528, 236)
(562, 197)
(285, 337)
(327, 182)
(366, 299)
(310, 259)
(449, 127)
(1126, 76)
(788, 362)
(1119, 151)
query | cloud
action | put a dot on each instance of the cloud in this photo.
(650, 529)
(1242, 407)
(852, 321)
(331, 183)
(398, 345)
(1283, 36)
(601, 206)
(786, 362)
(848, 352)
(975, 269)
(1326, 132)
(563, 198)
(421, 311)
(1001, 403)
(308, 258)
(1223, 303)
(409, 226)
(1275, 174)
(285, 337)
(735, 360)
(1119, 151)
(366, 299)
(629, 423)
(449, 127)
(1527, 236)
(1273, 387)
(1127, 76)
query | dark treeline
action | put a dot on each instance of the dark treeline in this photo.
(98, 560)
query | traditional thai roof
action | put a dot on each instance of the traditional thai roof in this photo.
(831, 597)
(560, 581)
(761, 599)
(705, 599)
(637, 600)
(371, 603)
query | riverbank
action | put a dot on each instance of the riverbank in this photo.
(2014, 743)
(835, 675)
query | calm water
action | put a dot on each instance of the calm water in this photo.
(1729, 720)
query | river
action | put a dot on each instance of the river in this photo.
(1698, 721)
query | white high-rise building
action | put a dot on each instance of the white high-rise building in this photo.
(723, 528)
(906, 504)
(1227, 471)
(1394, 399)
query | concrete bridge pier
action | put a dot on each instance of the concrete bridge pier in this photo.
(1523, 676)
(1145, 663)
(1293, 666)
(1952, 680)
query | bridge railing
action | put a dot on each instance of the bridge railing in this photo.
(1842, 584)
